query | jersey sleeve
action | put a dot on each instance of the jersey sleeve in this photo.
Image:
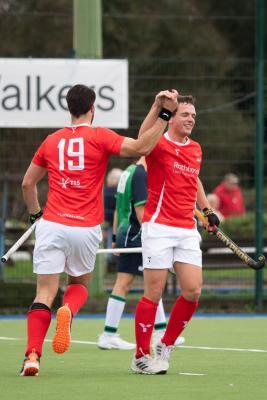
(109, 140)
(139, 186)
(39, 157)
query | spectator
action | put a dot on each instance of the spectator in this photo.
(231, 197)
(214, 201)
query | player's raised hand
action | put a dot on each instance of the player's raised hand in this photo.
(170, 102)
(165, 94)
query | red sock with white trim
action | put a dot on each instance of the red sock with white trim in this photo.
(75, 297)
(181, 314)
(145, 315)
(38, 322)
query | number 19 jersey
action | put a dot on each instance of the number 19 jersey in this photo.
(76, 158)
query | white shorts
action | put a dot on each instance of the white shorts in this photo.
(61, 248)
(163, 245)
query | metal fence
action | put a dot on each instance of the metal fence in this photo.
(225, 95)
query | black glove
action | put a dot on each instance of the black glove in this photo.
(34, 217)
(211, 216)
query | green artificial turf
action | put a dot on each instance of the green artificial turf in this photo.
(85, 372)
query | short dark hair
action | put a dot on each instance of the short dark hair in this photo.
(186, 99)
(80, 99)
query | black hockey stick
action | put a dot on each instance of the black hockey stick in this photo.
(256, 265)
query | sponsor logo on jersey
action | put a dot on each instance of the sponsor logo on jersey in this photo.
(184, 169)
(70, 216)
(73, 183)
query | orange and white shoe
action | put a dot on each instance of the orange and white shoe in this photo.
(31, 365)
(61, 340)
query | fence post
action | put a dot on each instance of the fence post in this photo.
(259, 158)
(2, 223)
(97, 283)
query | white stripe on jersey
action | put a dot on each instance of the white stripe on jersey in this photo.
(156, 213)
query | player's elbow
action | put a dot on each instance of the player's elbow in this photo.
(27, 184)
(135, 150)
(144, 151)
(142, 148)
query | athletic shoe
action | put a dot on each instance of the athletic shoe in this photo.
(31, 364)
(61, 340)
(158, 335)
(162, 353)
(109, 342)
(149, 366)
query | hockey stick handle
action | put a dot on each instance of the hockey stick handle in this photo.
(233, 246)
(19, 243)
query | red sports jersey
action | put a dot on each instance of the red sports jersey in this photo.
(172, 172)
(231, 201)
(76, 159)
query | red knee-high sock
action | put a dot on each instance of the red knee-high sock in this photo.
(38, 323)
(181, 314)
(75, 296)
(145, 315)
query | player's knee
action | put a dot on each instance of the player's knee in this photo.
(192, 294)
(153, 294)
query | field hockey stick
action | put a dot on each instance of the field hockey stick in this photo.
(232, 245)
(19, 243)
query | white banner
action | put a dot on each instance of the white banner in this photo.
(33, 91)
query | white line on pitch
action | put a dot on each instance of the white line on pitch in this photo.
(191, 374)
(224, 349)
(183, 347)
(76, 341)
(49, 340)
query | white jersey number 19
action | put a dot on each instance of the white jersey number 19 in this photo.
(76, 161)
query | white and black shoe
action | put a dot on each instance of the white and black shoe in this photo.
(162, 353)
(148, 366)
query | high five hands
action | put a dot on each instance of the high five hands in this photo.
(167, 99)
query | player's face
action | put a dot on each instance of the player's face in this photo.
(184, 120)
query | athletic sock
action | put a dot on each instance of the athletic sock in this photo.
(75, 297)
(145, 314)
(160, 321)
(181, 314)
(38, 322)
(115, 308)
